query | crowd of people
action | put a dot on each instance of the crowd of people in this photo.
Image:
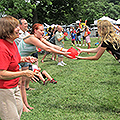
(57, 36)
(19, 66)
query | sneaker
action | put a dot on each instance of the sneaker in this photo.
(53, 81)
(42, 61)
(83, 45)
(60, 64)
(97, 43)
(86, 45)
(63, 63)
(44, 82)
(76, 44)
(79, 44)
(29, 89)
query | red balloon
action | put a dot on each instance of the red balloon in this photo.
(73, 51)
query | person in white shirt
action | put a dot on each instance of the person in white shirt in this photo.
(23, 33)
(23, 30)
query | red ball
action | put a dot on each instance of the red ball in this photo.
(65, 33)
(73, 51)
(88, 32)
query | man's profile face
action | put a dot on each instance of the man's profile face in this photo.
(24, 25)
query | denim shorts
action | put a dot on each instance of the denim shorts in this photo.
(59, 55)
(24, 64)
(78, 38)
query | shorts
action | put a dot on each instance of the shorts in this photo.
(73, 39)
(88, 39)
(11, 105)
(35, 55)
(83, 38)
(46, 52)
(78, 38)
(24, 64)
(59, 55)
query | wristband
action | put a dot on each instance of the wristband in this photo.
(61, 49)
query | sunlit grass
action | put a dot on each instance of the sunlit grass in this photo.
(86, 90)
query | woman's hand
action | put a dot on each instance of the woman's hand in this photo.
(79, 50)
(32, 75)
(29, 59)
(46, 37)
(66, 54)
(78, 57)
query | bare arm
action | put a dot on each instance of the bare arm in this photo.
(47, 47)
(8, 75)
(92, 50)
(96, 57)
(59, 39)
(52, 45)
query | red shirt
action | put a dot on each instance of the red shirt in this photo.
(9, 59)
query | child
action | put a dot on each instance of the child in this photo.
(87, 37)
(43, 76)
(73, 36)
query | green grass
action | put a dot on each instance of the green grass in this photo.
(86, 90)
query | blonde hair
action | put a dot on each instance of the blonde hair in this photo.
(7, 26)
(107, 33)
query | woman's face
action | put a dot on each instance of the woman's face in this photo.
(39, 32)
(16, 32)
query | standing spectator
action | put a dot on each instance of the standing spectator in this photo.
(70, 29)
(59, 37)
(23, 33)
(51, 40)
(78, 36)
(98, 42)
(23, 30)
(83, 36)
(49, 31)
(87, 37)
(73, 36)
(10, 98)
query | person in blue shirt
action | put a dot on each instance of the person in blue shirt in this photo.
(73, 36)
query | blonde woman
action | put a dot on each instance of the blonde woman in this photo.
(110, 41)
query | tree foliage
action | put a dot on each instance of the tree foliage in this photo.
(16, 8)
(60, 11)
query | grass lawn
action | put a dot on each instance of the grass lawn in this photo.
(86, 90)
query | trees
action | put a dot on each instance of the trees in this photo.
(16, 8)
(60, 11)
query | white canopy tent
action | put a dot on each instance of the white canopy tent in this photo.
(118, 21)
(105, 18)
